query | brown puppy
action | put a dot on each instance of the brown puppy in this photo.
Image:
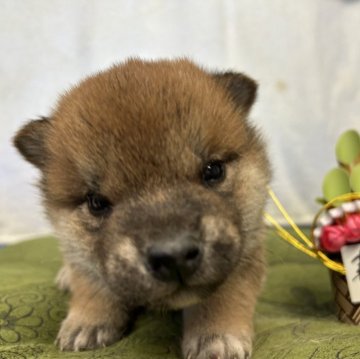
(155, 183)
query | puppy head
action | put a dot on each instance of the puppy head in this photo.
(153, 178)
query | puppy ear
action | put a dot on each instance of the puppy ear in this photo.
(30, 141)
(242, 89)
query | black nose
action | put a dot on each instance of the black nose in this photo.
(175, 260)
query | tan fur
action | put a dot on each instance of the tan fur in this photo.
(140, 135)
(228, 311)
(95, 316)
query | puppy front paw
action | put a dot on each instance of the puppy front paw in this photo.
(224, 346)
(75, 335)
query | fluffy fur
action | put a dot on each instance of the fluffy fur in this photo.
(140, 134)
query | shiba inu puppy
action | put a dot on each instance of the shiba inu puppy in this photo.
(155, 183)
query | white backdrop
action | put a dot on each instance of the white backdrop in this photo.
(305, 55)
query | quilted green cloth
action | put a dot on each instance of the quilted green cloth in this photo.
(295, 317)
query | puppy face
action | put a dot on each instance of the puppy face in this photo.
(152, 178)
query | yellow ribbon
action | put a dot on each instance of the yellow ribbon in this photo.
(303, 243)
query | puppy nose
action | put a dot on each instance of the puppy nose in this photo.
(174, 260)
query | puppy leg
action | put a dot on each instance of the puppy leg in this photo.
(63, 278)
(221, 327)
(95, 319)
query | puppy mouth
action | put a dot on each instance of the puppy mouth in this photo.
(185, 295)
(200, 290)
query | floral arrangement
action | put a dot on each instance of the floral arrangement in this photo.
(335, 233)
(340, 224)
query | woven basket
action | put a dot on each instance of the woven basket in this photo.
(346, 311)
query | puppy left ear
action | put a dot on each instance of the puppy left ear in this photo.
(30, 141)
(242, 89)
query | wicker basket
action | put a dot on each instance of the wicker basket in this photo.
(346, 311)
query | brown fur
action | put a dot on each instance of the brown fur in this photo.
(139, 134)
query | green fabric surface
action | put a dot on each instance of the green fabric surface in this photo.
(295, 316)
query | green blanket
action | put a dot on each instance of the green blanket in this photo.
(295, 316)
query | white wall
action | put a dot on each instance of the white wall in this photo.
(305, 55)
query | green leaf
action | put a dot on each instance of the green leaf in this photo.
(336, 183)
(355, 178)
(348, 147)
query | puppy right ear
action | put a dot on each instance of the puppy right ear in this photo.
(30, 141)
(241, 88)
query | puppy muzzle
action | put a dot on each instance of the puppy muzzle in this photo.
(176, 260)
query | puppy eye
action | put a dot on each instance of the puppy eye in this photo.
(98, 205)
(213, 172)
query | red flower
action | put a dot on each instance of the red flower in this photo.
(333, 238)
(352, 222)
